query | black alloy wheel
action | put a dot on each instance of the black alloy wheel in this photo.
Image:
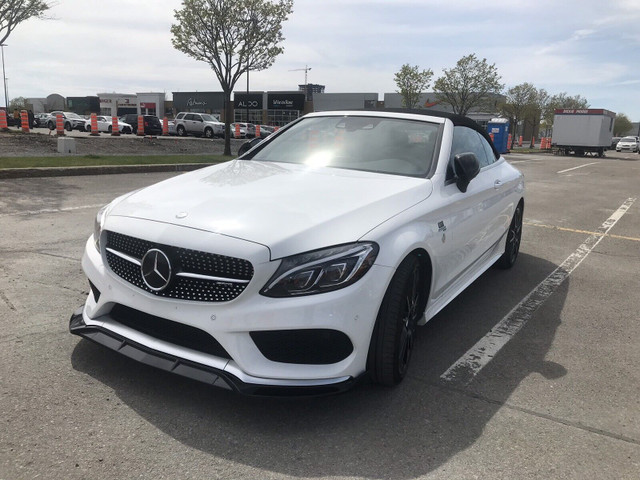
(395, 331)
(514, 236)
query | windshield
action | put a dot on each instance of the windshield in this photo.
(628, 139)
(72, 115)
(372, 144)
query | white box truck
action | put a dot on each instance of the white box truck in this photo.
(582, 131)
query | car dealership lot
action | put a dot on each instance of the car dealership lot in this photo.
(559, 400)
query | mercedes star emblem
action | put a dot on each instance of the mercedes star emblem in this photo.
(156, 270)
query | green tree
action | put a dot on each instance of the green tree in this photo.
(18, 103)
(562, 100)
(411, 83)
(232, 36)
(471, 83)
(14, 12)
(520, 103)
(622, 125)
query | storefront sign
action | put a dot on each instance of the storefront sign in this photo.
(251, 101)
(285, 101)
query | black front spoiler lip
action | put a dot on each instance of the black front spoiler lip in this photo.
(193, 370)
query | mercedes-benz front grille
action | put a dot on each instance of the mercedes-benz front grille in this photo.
(191, 275)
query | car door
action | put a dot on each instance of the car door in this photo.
(469, 221)
(188, 122)
(197, 125)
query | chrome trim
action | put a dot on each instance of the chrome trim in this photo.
(209, 277)
(125, 256)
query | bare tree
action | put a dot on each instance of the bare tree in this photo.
(471, 83)
(14, 12)
(233, 37)
(411, 83)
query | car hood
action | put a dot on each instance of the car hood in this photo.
(288, 208)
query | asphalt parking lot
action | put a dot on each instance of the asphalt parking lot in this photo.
(531, 373)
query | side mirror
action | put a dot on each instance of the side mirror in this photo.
(246, 146)
(466, 167)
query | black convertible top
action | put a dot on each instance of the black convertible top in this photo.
(458, 121)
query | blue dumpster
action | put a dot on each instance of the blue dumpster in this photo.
(499, 129)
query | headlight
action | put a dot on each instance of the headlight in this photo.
(321, 270)
(97, 226)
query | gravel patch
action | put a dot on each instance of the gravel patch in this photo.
(16, 144)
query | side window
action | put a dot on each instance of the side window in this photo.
(189, 116)
(490, 156)
(466, 140)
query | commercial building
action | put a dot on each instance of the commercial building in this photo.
(270, 108)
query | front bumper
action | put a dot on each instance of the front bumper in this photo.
(200, 372)
(257, 345)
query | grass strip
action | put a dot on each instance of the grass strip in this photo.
(102, 160)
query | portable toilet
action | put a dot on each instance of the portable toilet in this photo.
(498, 129)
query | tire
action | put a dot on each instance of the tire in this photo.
(514, 236)
(126, 130)
(51, 126)
(208, 133)
(110, 129)
(67, 127)
(181, 131)
(395, 330)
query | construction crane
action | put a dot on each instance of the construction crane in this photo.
(306, 70)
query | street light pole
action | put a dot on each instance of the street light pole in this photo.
(247, 100)
(4, 79)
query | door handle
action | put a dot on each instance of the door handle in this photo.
(497, 184)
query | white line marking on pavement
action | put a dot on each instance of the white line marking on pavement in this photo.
(464, 370)
(49, 210)
(575, 168)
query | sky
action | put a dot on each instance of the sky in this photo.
(582, 47)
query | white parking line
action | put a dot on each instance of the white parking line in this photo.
(477, 357)
(575, 168)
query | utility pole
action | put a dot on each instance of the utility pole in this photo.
(4, 79)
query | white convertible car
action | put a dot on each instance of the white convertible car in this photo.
(105, 124)
(309, 261)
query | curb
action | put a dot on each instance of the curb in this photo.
(9, 173)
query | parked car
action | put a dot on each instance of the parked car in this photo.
(266, 130)
(152, 124)
(105, 124)
(308, 262)
(41, 119)
(199, 124)
(614, 141)
(628, 144)
(247, 130)
(71, 121)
